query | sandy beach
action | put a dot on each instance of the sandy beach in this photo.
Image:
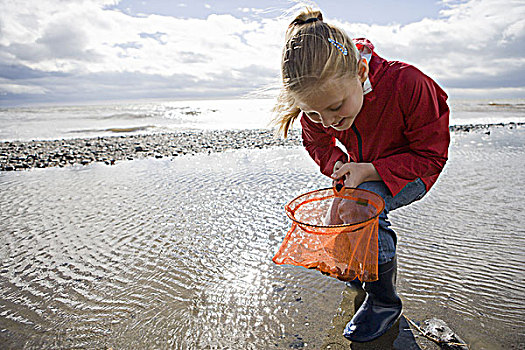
(172, 249)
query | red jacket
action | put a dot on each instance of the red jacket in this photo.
(402, 128)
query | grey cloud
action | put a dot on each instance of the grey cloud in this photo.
(17, 72)
(59, 41)
(29, 52)
(63, 40)
(61, 88)
(512, 78)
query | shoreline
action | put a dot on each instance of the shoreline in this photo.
(26, 155)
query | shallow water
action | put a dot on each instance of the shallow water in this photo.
(152, 116)
(177, 253)
(132, 117)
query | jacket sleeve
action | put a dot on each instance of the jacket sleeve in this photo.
(321, 146)
(426, 118)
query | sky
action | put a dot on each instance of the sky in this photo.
(83, 51)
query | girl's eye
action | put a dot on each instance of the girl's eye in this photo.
(337, 108)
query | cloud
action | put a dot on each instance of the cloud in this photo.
(81, 48)
(86, 41)
(59, 41)
(471, 43)
(6, 87)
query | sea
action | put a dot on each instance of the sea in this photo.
(146, 117)
(176, 253)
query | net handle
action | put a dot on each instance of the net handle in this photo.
(339, 186)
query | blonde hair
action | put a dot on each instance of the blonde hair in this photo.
(308, 61)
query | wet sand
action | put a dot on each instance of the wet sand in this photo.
(176, 252)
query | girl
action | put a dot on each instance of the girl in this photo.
(391, 118)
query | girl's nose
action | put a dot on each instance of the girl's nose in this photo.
(328, 119)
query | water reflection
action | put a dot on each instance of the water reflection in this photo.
(177, 254)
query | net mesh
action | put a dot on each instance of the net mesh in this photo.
(334, 232)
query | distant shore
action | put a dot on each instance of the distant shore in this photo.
(22, 155)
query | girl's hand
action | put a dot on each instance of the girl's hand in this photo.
(354, 174)
(337, 166)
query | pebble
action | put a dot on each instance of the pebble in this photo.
(22, 155)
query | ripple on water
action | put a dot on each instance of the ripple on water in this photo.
(177, 254)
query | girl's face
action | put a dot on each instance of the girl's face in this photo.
(337, 104)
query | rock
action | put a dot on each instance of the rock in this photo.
(297, 344)
(439, 330)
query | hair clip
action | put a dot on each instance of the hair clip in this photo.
(339, 46)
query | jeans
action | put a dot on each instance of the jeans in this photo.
(412, 192)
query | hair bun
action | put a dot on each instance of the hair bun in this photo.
(311, 20)
(307, 17)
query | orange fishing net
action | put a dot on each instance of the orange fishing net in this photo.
(334, 232)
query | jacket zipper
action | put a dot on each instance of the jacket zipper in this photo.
(359, 142)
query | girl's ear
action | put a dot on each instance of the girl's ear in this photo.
(362, 70)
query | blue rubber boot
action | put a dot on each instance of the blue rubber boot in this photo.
(381, 308)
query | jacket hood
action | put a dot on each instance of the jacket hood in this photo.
(377, 65)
